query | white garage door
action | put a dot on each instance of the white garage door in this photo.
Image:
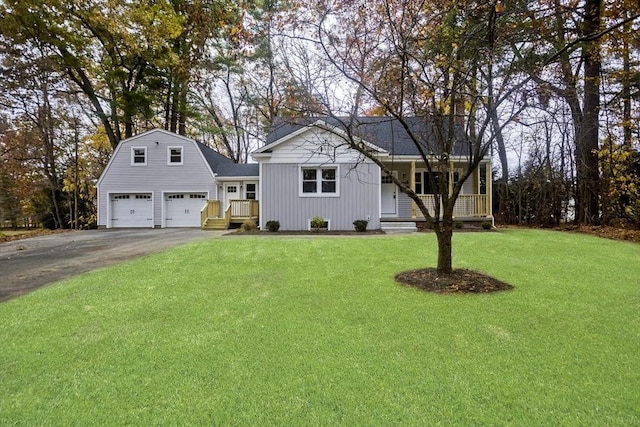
(183, 209)
(131, 210)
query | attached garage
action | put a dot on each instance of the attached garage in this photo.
(160, 179)
(183, 209)
(131, 210)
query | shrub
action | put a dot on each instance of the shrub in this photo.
(458, 224)
(248, 225)
(360, 225)
(486, 225)
(273, 226)
(317, 222)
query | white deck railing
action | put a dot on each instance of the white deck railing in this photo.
(243, 208)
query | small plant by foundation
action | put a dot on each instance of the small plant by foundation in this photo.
(248, 225)
(360, 225)
(273, 226)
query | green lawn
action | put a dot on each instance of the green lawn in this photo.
(300, 331)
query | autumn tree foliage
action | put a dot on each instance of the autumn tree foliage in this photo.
(131, 60)
(620, 167)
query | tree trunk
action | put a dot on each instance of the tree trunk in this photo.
(444, 233)
(503, 193)
(182, 113)
(626, 85)
(173, 122)
(587, 142)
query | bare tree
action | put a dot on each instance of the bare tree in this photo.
(424, 66)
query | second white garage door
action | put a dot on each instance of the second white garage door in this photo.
(183, 209)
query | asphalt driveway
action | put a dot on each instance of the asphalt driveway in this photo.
(28, 264)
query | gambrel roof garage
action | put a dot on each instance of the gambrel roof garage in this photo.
(161, 179)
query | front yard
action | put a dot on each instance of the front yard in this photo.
(314, 331)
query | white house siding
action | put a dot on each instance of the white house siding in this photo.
(404, 205)
(359, 197)
(156, 177)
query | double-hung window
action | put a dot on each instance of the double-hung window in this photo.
(319, 181)
(174, 155)
(138, 156)
(251, 192)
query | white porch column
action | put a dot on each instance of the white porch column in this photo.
(412, 185)
(489, 186)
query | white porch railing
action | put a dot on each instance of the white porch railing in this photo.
(467, 205)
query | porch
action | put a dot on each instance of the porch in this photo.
(214, 217)
(469, 209)
(472, 205)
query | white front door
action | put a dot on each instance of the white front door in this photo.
(231, 192)
(388, 197)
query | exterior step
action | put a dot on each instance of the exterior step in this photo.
(215, 224)
(398, 227)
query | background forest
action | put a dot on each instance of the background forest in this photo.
(558, 82)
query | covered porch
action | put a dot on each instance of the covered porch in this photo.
(473, 203)
(216, 216)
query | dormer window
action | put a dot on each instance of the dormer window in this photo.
(174, 156)
(138, 156)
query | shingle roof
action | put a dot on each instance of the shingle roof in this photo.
(223, 166)
(384, 132)
(238, 169)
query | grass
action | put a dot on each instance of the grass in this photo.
(298, 331)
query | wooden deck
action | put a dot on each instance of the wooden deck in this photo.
(212, 217)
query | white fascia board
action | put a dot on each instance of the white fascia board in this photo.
(257, 156)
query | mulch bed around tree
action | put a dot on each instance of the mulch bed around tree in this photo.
(461, 281)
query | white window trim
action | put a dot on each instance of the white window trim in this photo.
(246, 184)
(133, 163)
(318, 180)
(173, 147)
